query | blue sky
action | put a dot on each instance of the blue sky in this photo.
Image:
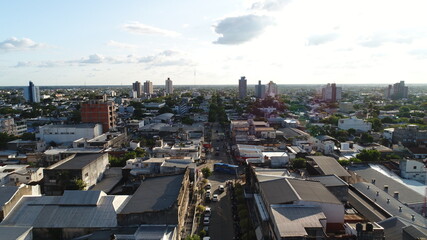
(212, 42)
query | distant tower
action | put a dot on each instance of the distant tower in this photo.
(271, 89)
(136, 87)
(32, 93)
(148, 87)
(99, 111)
(242, 88)
(260, 90)
(396, 91)
(331, 93)
(168, 86)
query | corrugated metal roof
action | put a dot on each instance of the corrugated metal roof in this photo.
(80, 198)
(393, 228)
(329, 180)
(287, 190)
(46, 212)
(6, 192)
(154, 194)
(406, 195)
(292, 220)
(389, 203)
(329, 166)
(79, 161)
(13, 232)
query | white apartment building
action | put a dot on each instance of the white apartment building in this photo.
(355, 123)
(412, 169)
(61, 134)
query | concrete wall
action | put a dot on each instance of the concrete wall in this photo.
(22, 191)
(333, 212)
(67, 134)
(93, 173)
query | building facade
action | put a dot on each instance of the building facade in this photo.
(168, 86)
(32, 93)
(61, 134)
(355, 123)
(137, 88)
(331, 93)
(148, 87)
(260, 90)
(396, 91)
(243, 85)
(272, 90)
(99, 111)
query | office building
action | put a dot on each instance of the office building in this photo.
(32, 93)
(331, 93)
(148, 87)
(242, 87)
(99, 111)
(396, 91)
(260, 90)
(168, 86)
(137, 88)
(271, 89)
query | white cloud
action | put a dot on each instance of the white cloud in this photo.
(322, 38)
(15, 44)
(113, 43)
(167, 58)
(143, 29)
(270, 5)
(237, 30)
(92, 59)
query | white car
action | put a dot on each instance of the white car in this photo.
(215, 198)
(221, 188)
(208, 185)
(206, 221)
(207, 212)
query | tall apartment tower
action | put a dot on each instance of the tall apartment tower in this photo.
(168, 86)
(243, 85)
(32, 93)
(331, 93)
(260, 90)
(99, 111)
(272, 90)
(148, 87)
(396, 91)
(137, 88)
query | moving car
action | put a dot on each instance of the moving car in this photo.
(206, 221)
(215, 198)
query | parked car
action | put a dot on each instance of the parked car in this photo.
(208, 195)
(207, 212)
(215, 198)
(206, 221)
(208, 185)
(221, 188)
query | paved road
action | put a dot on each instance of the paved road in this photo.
(221, 225)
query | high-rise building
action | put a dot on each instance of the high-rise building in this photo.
(331, 93)
(137, 88)
(99, 111)
(32, 93)
(396, 91)
(148, 87)
(243, 85)
(260, 90)
(271, 89)
(168, 86)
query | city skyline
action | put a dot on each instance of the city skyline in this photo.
(284, 41)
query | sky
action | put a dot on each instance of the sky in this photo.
(207, 42)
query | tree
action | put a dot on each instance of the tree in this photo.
(370, 155)
(366, 138)
(28, 136)
(298, 163)
(376, 124)
(193, 237)
(206, 172)
(140, 152)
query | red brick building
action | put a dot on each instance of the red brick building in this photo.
(99, 111)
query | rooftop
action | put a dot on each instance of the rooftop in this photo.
(292, 220)
(329, 166)
(75, 209)
(154, 194)
(6, 192)
(406, 195)
(287, 190)
(79, 161)
(329, 180)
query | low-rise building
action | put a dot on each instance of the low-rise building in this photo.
(63, 175)
(413, 169)
(354, 123)
(66, 134)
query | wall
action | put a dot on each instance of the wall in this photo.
(333, 212)
(62, 134)
(93, 172)
(25, 190)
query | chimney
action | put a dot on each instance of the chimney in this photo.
(400, 209)
(388, 200)
(373, 181)
(396, 194)
(386, 188)
(368, 186)
(378, 193)
(413, 217)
